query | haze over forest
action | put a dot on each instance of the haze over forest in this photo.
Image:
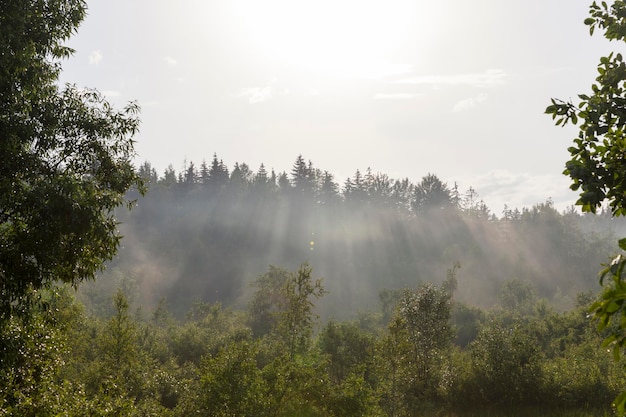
(252, 290)
(205, 233)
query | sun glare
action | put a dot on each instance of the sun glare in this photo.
(345, 38)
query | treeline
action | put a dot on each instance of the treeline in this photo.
(421, 352)
(202, 234)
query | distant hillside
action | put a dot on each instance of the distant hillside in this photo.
(206, 233)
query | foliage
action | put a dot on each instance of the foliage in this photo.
(31, 348)
(127, 365)
(283, 309)
(610, 313)
(597, 165)
(231, 384)
(517, 296)
(432, 194)
(414, 353)
(350, 350)
(506, 363)
(66, 156)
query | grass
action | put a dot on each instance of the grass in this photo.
(525, 412)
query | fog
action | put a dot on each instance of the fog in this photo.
(206, 238)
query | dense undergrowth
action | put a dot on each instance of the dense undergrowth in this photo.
(429, 355)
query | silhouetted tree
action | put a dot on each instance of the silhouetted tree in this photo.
(431, 194)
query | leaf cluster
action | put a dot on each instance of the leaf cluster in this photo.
(66, 156)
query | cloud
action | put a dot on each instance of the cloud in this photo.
(395, 96)
(95, 57)
(468, 103)
(170, 61)
(489, 78)
(261, 94)
(257, 94)
(519, 190)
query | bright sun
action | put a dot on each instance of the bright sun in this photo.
(344, 38)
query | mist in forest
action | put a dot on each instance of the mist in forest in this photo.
(206, 233)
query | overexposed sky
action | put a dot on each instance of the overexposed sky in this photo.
(406, 87)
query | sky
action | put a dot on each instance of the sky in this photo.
(404, 87)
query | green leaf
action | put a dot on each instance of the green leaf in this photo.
(590, 21)
(620, 403)
(612, 307)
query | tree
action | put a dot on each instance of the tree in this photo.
(260, 179)
(282, 305)
(303, 177)
(231, 383)
(419, 336)
(32, 348)
(204, 173)
(169, 176)
(431, 194)
(349, 349)
(190, 174)
(597, 166)
(218, 173)
(147, 173)
(506, 363)
(517, 296)
(355, 189)
(328, 193)
(65, 152)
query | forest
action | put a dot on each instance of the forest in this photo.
(238, 291)
(205, 233)
(405, 299)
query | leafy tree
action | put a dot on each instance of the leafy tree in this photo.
(268, 299)
(32, 350)
(282, 305)
(517, 296)
(597, 166)
(431, 194)
(506, 363)
(466, 321)
(297, 318)
(350, 350)
(206, 330)
(416, 347)
(65, 152)
(119, 344)
(379, 188)
(402, 194)
(231, 384)
(473, 205)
